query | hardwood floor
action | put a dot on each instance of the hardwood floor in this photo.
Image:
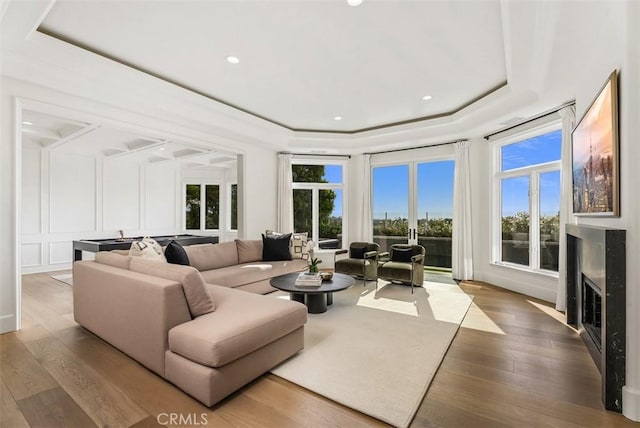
(512, 363)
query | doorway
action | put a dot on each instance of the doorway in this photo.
(413, 204)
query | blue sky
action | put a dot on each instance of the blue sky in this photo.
(333, 174)
(536, 150)
(435, 182)
(435, 190)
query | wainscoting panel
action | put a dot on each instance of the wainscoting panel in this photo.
(31, 254)
(120, 196)
(72, 193)
(31, 204)
(160, 197)
(60, 252)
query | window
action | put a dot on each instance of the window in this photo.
(528, 187)
(202, 206)
(317, 202)
(234, 207)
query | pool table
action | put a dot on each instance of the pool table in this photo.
(95, 245)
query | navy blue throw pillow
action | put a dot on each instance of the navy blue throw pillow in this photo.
(176, 254)
(276, 248)
(402, 255)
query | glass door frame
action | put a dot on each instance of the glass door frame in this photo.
(412, 206)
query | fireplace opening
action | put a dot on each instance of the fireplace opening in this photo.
(592, 311)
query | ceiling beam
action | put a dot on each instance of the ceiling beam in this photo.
(79, 133)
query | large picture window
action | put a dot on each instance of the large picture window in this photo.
(202, 207)
(318, 201)
(527, 184)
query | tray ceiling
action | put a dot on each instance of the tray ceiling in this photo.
(302, 64)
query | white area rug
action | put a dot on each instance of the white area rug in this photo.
(377, 351)
(66, 278)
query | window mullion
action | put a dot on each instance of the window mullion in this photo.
(534, 227)
(315, 214)
(203, 207)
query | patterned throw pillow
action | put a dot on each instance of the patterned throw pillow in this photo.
(147, 248)
(299, 248)
(299, 245)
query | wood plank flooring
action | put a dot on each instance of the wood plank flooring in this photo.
(513, 363)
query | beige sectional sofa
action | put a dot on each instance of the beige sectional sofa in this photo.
(196, 326)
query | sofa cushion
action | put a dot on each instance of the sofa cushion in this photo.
(246, 273)
(176, 254)
(113, 259)
(242, 323)
(195, 291)
(249, 250)
(276, 247)
(212, 256)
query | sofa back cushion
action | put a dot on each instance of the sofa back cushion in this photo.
(249, 250)
(212, 256)
(113, 259)
(195, 291)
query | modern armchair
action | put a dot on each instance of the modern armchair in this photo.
(362, 261)
(405, 265)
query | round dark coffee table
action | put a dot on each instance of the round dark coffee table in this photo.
(318, 298)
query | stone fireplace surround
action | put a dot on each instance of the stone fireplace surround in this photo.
(596, 301)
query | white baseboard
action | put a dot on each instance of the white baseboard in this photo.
(631, 403)
(8, 323)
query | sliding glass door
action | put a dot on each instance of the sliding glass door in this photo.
(413, 203)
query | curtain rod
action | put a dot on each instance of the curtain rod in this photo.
(414, 148)
(540, 116)
(315, 154)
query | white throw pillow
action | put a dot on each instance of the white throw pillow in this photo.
(147, 248)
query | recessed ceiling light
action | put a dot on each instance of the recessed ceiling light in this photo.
(233, 59)
(427, 97)
(354, 2)
(27, 123)
(337, 118)
(161, 148)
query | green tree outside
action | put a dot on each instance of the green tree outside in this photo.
(329, 226)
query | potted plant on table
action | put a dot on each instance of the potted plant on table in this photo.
(313, 265)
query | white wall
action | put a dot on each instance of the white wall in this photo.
(614, 45)
(67, 196)
(258, 193)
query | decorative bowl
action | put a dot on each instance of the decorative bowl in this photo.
(326, 275)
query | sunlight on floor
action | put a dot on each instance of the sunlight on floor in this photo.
(368, 300)
(476, 319)
(558, 316)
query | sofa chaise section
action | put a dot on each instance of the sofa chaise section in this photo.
(148, 317)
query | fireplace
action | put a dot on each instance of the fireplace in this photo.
(592, 311)
(596, 301)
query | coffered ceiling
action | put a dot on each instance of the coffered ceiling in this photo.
(304, 64)
(43, 131)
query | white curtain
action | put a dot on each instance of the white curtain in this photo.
(365, 230)
(568, 115)
(462, 246)
(285, 194)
